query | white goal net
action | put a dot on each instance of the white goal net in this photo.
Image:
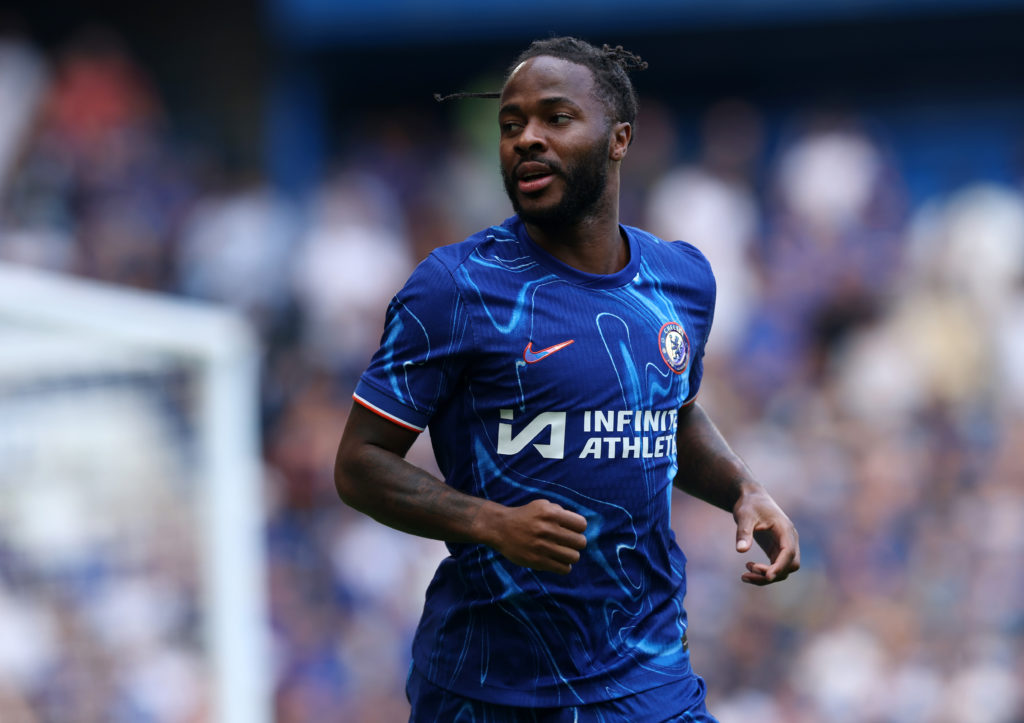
(131, 558)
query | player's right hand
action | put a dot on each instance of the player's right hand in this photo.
(540, 535)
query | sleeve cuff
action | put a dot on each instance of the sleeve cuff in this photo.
(387, 407)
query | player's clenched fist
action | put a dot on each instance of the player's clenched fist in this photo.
(541, 535)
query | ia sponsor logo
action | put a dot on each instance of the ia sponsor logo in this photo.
(554, 449)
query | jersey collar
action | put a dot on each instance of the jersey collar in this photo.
(574, 275)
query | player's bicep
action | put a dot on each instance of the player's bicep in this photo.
(370, 447)
(365, 426)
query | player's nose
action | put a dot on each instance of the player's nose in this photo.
(531, 138)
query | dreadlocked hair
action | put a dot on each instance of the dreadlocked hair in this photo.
(610, 67)
(459, 96)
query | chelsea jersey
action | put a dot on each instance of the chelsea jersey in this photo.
(540, 381)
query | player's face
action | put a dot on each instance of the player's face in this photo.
(555, 142)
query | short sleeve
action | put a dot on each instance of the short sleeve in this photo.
(422, 352)
(703, 316)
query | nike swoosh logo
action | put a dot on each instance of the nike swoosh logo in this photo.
(532, 357)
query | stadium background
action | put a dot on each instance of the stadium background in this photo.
(853, 169)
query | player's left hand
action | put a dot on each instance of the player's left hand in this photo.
(759, 518)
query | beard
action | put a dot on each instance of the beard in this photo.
(584, 181)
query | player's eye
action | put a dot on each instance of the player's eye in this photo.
(561, 119)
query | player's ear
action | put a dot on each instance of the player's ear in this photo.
(622, 134)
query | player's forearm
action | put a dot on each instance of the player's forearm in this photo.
(707, 466)
(391, 490)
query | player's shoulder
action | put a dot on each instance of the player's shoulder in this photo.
(442, 274)
(675, 252)
(492, 242)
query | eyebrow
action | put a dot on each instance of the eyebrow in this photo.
(555, 100)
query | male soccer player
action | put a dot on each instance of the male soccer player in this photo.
(556, 358)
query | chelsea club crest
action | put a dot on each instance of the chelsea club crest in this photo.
(675, 346)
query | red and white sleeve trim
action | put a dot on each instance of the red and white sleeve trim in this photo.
(390, 417)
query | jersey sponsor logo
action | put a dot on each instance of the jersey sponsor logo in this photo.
(675, 346)
(555, 447)
(609, 434)
(532, 357)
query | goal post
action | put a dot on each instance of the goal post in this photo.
(74, 355)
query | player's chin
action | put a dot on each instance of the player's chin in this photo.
(539, 210)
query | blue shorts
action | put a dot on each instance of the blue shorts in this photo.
(432, 704)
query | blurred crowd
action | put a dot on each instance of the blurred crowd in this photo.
(867, 360)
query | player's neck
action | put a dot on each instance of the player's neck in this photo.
(596, 244)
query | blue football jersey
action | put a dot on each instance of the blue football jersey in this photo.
(538, 380)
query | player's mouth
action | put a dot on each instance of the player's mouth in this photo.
(533, 176)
